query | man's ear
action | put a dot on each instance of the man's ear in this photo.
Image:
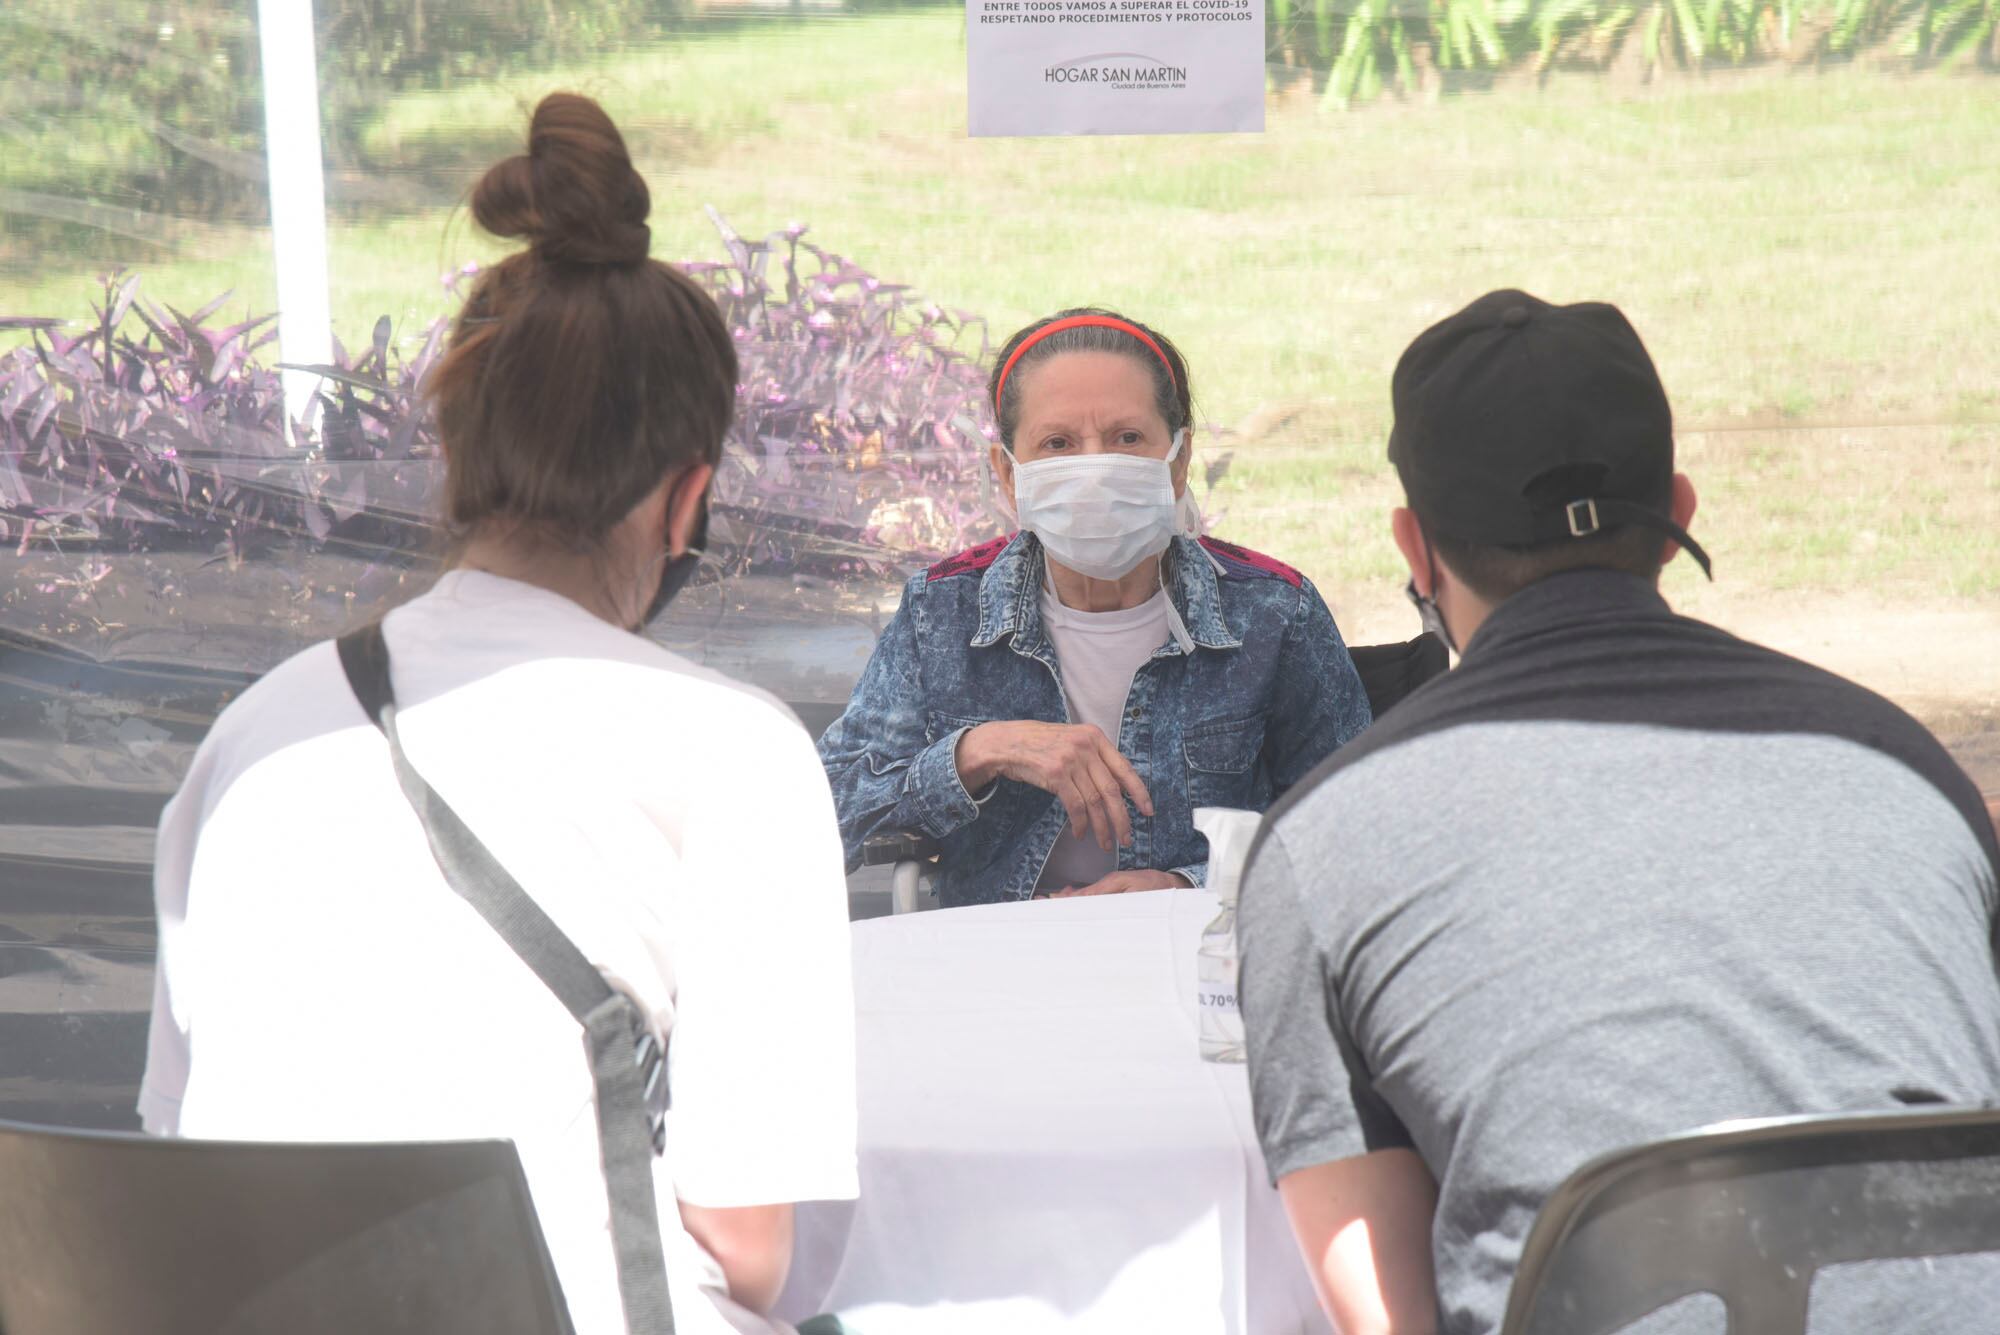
(685, 497)
(1681, 508)
(1409, 535)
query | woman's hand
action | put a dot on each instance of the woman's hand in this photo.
(1124, 883)
(1074, 761)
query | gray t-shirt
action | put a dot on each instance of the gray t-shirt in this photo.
(1619, 876)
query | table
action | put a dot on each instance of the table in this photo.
(1042, 1148)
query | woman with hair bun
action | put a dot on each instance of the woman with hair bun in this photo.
(1051, 707)
(320, 975)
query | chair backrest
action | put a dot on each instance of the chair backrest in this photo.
(1391, 671)
(104, 1233)
(1751, 1211)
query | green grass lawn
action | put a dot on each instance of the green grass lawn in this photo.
(1811, 258)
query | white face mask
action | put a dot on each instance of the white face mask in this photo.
(1100, 514)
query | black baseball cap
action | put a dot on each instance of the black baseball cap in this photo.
(1519, 423)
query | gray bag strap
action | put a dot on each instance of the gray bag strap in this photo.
(628, 1131)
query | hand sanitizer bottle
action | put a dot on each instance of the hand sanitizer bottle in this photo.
(1221, 1024)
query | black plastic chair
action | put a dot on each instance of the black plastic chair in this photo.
(1751, 1211)
(1388, 673)
(110, 1234)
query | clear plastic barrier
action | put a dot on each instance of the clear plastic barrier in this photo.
(1797, 202)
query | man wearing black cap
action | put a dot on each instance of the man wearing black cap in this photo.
(1618, 876)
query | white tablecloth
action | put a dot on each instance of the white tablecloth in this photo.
(1042, 1149)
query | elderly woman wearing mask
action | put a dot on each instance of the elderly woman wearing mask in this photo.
(1051, 707)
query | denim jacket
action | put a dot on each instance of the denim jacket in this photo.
(1267, 694)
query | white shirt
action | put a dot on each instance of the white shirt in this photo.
(318, 980)
(1098, 652)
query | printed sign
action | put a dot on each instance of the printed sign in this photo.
(1038, 67)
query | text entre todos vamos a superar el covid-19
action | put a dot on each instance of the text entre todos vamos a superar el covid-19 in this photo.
(1116, 11)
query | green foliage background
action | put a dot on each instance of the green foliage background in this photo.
(1356, 49)
(169, 88)
(1807, 252)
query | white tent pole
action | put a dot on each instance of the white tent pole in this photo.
(298, 194)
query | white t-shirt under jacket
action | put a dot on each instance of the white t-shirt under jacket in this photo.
(1098, 653)
(318, 980)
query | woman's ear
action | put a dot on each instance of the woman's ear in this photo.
(686, 495)
(1003, 468)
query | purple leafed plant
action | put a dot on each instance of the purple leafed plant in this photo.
(859, 438)
(857, 447)
(151, 430)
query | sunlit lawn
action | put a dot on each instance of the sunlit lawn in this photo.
(1808, 255)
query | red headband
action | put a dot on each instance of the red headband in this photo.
(1079, 322)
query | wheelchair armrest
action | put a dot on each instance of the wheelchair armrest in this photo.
(886, 850)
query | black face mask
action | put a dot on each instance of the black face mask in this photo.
(1427, 608)
(1429, 616)
(674, 576)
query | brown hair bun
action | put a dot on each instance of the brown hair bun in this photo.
(574, 195)
(581, 372)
